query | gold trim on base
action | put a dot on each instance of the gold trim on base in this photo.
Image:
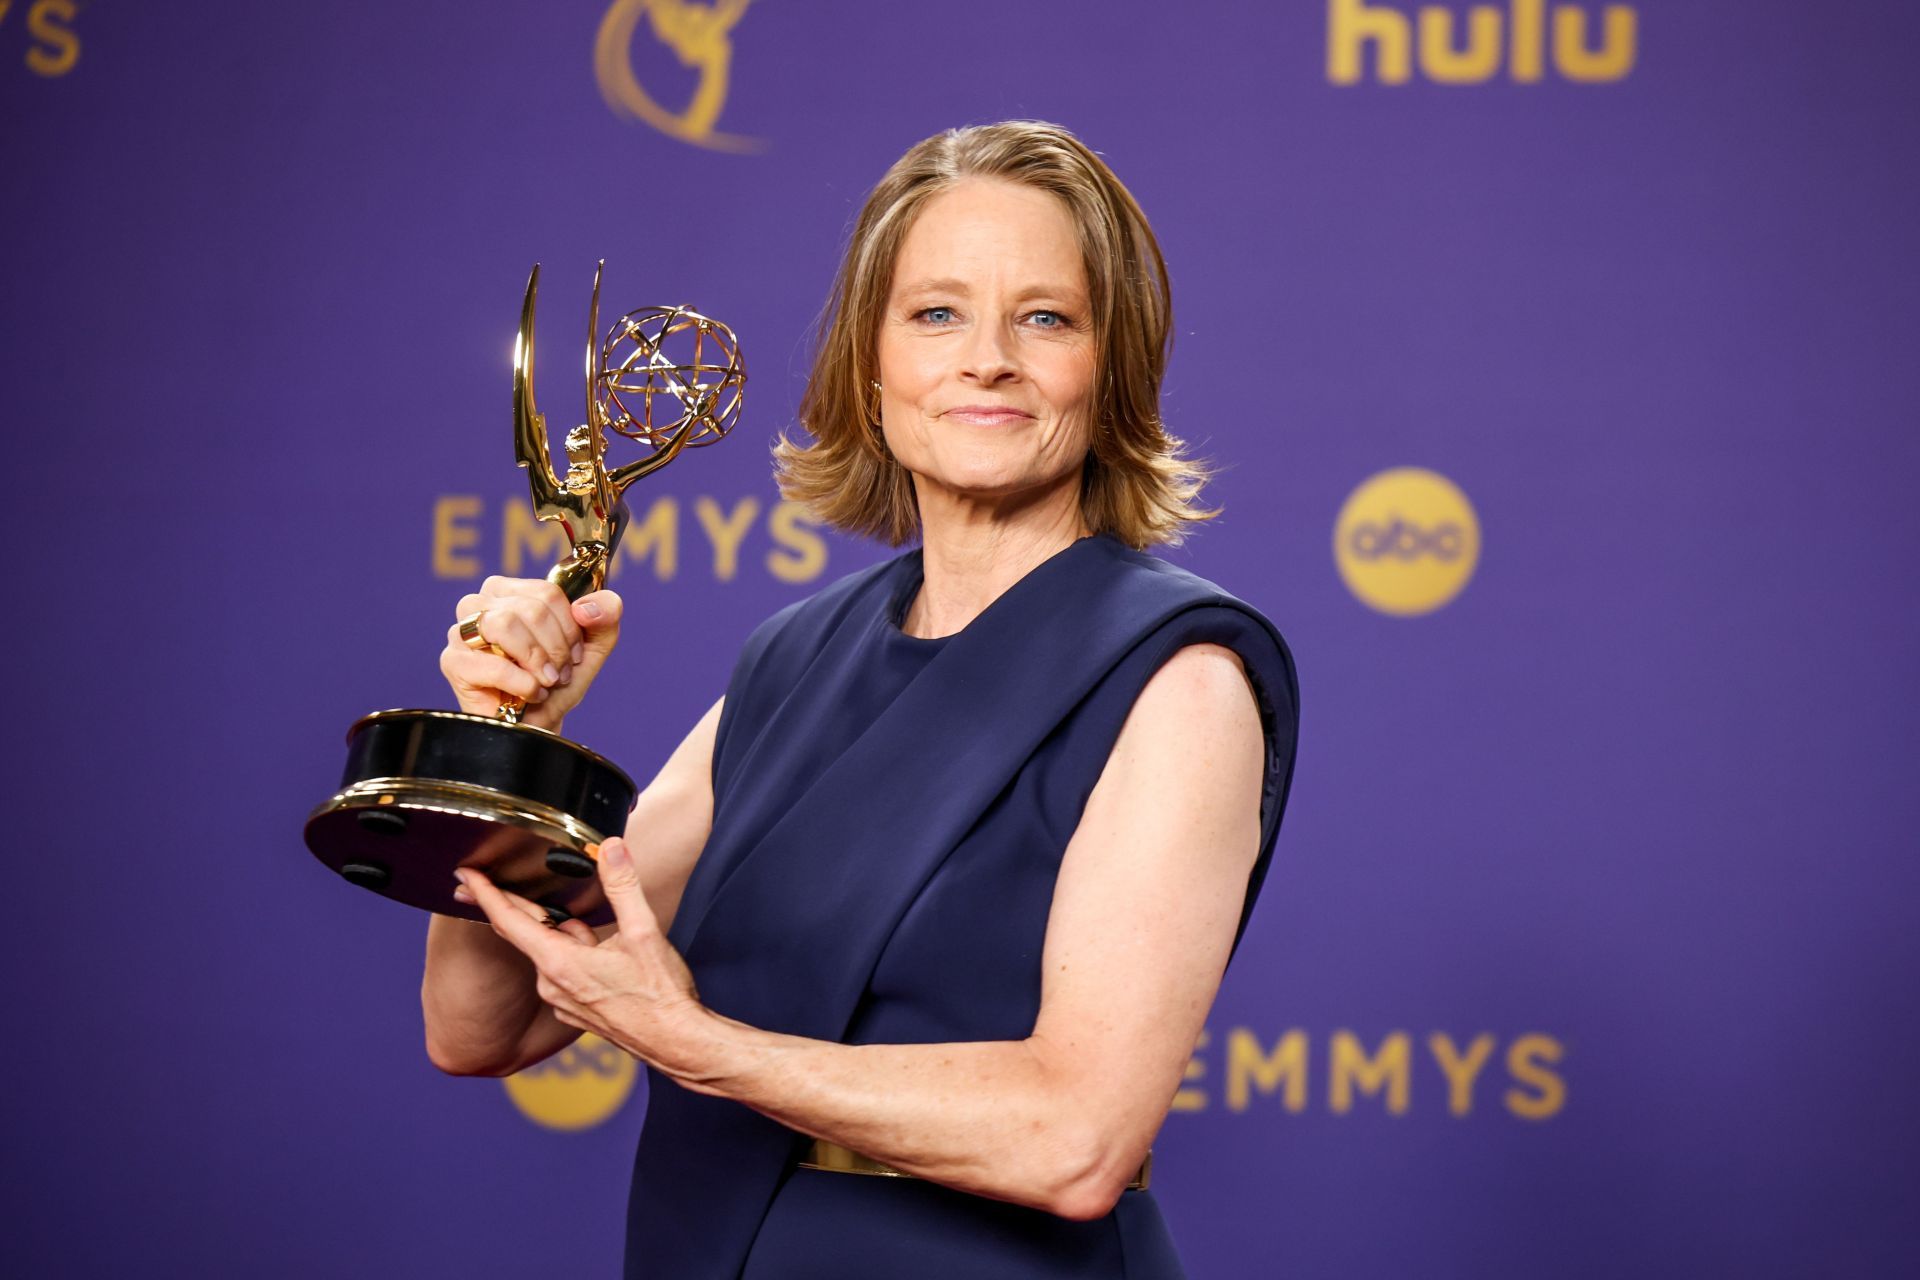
(464, 799)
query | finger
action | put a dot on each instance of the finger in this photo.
(532, 910)
(479, 670)
(566, 628)
(529, 908)
(599, 613)
(543, 620)
(599, 609)
(543, 606)
(579, 932)
(512, 625)
(620, 880)
(507, 913)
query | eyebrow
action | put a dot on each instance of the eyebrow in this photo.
(949, 285)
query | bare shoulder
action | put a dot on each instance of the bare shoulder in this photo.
(1199, 695)
(1210, 671)
(1189, 757)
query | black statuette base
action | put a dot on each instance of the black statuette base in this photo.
(427, 792)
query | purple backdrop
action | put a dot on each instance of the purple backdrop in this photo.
(1634, 805)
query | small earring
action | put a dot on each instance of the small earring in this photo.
(876, 386)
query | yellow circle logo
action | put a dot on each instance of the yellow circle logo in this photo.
(577, 1088)
(1406, 541)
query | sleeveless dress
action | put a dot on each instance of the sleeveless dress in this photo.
(889, 818)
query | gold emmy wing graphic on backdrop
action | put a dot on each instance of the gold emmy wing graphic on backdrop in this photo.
(425, 792)
(700, 35)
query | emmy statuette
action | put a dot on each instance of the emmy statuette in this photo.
(425, 792)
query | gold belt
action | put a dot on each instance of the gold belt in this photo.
(835, 1158)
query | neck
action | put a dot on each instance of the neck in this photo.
(970, 557)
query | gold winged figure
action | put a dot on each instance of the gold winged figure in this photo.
(633, 364)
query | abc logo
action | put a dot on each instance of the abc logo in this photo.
(576, 1088)
(1406, 541)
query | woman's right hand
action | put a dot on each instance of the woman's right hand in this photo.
(553, 649)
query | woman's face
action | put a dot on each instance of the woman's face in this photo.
(986, 347)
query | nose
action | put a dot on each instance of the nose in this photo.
(989, 357)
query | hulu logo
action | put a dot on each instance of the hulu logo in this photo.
(1517, 37)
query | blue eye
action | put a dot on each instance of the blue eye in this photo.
(1049, 319)
(937, 315)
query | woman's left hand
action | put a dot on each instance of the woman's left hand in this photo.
(631, 989)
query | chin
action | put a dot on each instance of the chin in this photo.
(984, 482)
(988, 469)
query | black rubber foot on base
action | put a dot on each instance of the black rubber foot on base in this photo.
(386, 822)
(368, 875)
(565, 862)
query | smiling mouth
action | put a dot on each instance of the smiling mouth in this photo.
(987, 415)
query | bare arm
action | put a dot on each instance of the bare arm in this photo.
(483, 1016)
(1144, 912)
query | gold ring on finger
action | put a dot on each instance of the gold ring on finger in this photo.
(470, 630)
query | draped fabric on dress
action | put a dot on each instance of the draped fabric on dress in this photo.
(889, 818)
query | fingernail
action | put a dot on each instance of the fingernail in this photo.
(566, 674)
(579, 652)
(461, 895)
(541, 696)
(613, 853)
(591, 610)
(460, 874)
(548, 673)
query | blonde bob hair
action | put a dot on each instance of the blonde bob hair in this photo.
(1135, 484)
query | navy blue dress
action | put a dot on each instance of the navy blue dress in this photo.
(889, 818)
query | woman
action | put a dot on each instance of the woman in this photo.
(959, 859)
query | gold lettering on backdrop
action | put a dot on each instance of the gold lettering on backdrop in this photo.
(798, 553)
(1524, 1057)
(1538, 1093)
(700, 36)
(1287, 1062)
(1350, 1068)
(1528, 19)
(1460, 1069)
(1448, 65)
(1357, 27)
(453, 535)
(725, 532)
(56, 45)
(1612, 61)
(802, 553)
(1351, 24)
